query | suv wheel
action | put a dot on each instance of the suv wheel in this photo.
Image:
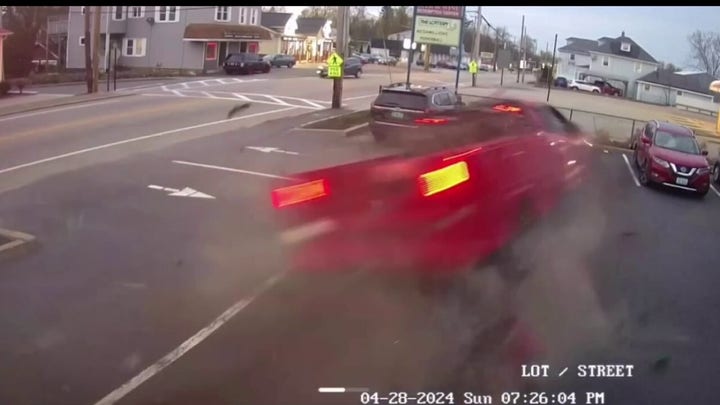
(358, 73)
(716, 174)
(574, 88)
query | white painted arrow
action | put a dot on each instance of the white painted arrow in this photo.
(185, 192)
(267, 149)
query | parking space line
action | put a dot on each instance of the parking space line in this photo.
(230, 169)
(359, 97)
(187, 345)
(715, 190)
(140, 138)
(72, 107)
(632, 172)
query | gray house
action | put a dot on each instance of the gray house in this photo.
(620, 60)
(172, 37)
(686, 90)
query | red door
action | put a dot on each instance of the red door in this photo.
(253, 47)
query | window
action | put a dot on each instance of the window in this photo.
(647, 87)
(81, 41)
(137, 12)
(243, 15)
(649, 130)
(572, 56)
(134, 47)
(625, 47)
(254, 16)
(118, 13)
(83, 9)
(638, 67)
(222, 13)
(441, 99)
(679, 93)
(211, 51)
(606, 61)
(167, 14)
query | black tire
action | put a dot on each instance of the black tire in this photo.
(267, 69)
(716, 174)
(596, 92)
(574, 88)
(290, 65)
(358, 73)
(644, 176)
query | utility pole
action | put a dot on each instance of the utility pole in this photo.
(88, 54)
(106, 65)
(522, 33)
(524, 54)
(47, 43)
(551, 73)
(340, 47)
(95, 48)
(411, 51)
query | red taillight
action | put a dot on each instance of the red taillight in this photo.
(443, 179)
(282, 197)
(507, 108)
(431, 121)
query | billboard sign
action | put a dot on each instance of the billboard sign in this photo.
(455, 12)
(437, 30)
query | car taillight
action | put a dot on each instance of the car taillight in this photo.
(507, 108)
(443, 179)
(431, 121)
(282, 197)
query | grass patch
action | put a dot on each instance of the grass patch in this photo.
(342, 122)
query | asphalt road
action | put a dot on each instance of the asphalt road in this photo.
(142, 297)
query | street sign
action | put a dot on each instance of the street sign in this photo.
(440, 11)
(486, 55)
(335, 62)
(504, 58)
(473, 67)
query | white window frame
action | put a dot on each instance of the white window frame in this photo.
(638, 67)
(625, 46)
(228, 12)
(123, 11)
(135, 41)
(81, 41)
(254, 16)
(606, 61)
(166, 9)
(243, 15)
(132, 9)
(572, 56)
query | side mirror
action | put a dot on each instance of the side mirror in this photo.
(704, 153)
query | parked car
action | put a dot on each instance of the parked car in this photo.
(352, 67)
(561, 81)
(245, 63)
(608, 88)
(372, 58)
(364, 59)
(669, 154)
(583, 86)
(387, 60)
(484, 67)
(280, 60)
(494, 166)
(421, 62)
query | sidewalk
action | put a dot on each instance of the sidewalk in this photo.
(25, 103)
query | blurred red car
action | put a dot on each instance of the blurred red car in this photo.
(669, 154)
(440, 209)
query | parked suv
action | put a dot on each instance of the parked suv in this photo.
(246, 63)
(412, 113)
(280, 60)
(608, 88)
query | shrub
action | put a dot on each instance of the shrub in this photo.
(21, 83)
(4, 88)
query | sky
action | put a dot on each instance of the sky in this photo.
(661, 31)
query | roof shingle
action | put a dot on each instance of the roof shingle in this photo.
(310, 25)
(275, 20)
(698, 82)
(607, 45)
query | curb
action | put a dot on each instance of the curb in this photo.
(139, 79)
(356, 130)
(41, 105)
(17, 240)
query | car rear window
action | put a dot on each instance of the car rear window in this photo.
(407, 100)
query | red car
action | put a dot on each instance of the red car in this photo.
(608, 88)
(435, 210)
(669, 154)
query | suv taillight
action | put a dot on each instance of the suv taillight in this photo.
(431, 121)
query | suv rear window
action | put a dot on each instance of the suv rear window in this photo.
(402, 99)
(236, 57)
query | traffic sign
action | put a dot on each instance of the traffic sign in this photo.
(335, 62)
(473, 67)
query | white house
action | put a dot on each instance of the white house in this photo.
(619, 60)
(687, 90)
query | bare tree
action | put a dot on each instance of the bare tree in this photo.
(705, 51)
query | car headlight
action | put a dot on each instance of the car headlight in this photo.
(661, 162)
(704, 170)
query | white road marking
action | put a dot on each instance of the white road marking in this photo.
(715, 190)
(230, 169)
(208, 94)
(632, 172)
(139, 138)
(267, 149)
(186, 346)
(241, 97)
(237, 96)
(177, 93)
(50, 111)
(154, 187)
(185, 192)
(318, 106)
(277, 100)
(359, 97)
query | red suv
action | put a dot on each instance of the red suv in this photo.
(435, 210)
(669, 154)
